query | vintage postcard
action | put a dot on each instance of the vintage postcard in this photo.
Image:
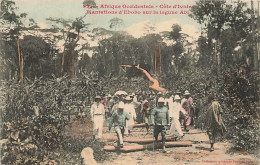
(115, 82)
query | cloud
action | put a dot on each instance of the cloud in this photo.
(191, 30)
(43, 25)
(140, 29)
(137, 30)
(165, 26)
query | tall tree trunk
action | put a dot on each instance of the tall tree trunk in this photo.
(68, 61)
(20, 62)
(62, 61)
(72, 62)
(258, 38)
(255, 48)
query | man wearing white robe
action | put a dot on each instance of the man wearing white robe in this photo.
(130, 109)
(174, 113)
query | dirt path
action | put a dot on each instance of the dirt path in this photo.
(198, 153)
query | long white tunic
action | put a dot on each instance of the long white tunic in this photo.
(170, 105)
(97, 112)
(130, 109)
(175, 110)
(175, 114)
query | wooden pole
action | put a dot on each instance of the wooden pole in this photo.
(160, 62)
(155, 62)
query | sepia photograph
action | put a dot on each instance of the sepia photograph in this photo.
(129, 82)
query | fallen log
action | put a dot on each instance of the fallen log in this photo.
(149, 146)
(125, 148)
(195, 132)
(139, 140)
(147, 140)
(136, 125)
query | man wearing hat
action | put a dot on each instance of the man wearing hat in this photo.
(130, 109)
(115, 104)
(97, 111)
(108, 106)
(177, 93)
(137, 105)
(174, 114)
(189, 108)
(118, 119)
(146, 110)
(160, 119)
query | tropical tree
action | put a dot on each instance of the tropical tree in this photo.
(69, 34)
(174, 53)
(11, 31)
(227, 26)
(37, 57)
(116, 23)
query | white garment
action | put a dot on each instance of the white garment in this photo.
(175, 110)
(135, 102)
(176, 128)
(97, 115)
(135, 99)
(130, 109)
(175, 114)
(97, 109)
(170, 105)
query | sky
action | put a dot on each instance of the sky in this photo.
(134, 24)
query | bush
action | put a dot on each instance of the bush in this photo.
(241, 87)
(238, 93)
(34, 116)
(27, 140)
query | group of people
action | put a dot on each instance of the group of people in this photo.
(123, 111)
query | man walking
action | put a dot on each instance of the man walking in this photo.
(160, 119)
(115, 104)
(146, 110)
(118, 119)
(130, 109)
(97, 115)
(213, 121)
(174, 114)
(189, 108)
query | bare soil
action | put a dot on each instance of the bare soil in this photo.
(197, 154)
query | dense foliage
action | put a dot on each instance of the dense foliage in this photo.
(243, 117)
(34, 114)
